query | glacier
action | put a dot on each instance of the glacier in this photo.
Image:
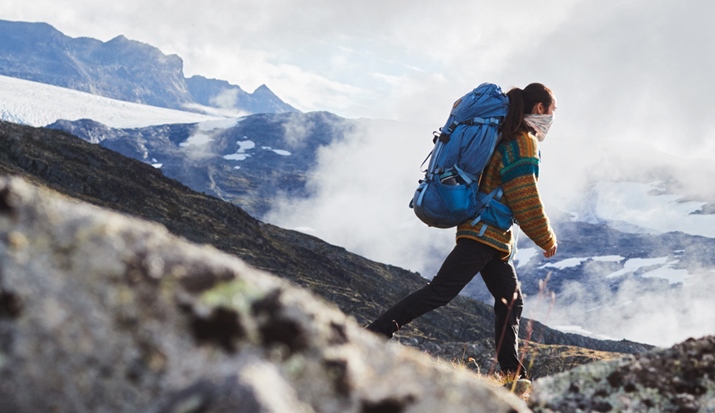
(38, 104)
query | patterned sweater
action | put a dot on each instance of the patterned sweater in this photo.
(514, 166)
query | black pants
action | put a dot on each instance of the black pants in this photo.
(464, 262)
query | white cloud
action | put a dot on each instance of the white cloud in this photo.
(633, 312)
(361, 190)
(226, 98)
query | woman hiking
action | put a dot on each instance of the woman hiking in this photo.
(487, 250)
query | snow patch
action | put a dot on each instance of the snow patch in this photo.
(278, 151)
(643, 208)
(219, 124)
(524, 255)
(236, 156)
(609, 258)
(241, 154)
(576, 261)
(218, 112)
(567, 263)
(246, 145)
(635, 264)
(197, 139)
(673, 275)
(664, 271)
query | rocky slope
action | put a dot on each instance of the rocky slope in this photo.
(103, 312)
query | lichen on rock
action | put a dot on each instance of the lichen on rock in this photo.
(678, 379)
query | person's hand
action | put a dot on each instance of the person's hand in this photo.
(551, 251)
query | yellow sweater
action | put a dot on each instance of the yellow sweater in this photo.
(514, 166)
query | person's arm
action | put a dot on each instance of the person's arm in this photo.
(519, 181)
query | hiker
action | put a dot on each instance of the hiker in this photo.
(485, 249)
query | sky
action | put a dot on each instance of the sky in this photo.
(623, 72)
(633, 82)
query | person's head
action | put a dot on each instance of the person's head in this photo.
(535, 99)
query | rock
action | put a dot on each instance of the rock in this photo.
(518, 387)
(100, 312)
(678, 379)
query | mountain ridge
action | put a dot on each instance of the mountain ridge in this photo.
(120, 68)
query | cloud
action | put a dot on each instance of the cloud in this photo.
(361, 189)
(656, 316)
(226, 99)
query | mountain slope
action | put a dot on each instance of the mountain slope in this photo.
(246, 161)
(360, 287)
(120, 68)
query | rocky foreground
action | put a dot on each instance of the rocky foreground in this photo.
(100, 312)
(680, 379)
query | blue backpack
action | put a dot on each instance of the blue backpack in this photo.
(449, 193)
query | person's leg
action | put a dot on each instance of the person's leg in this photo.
(466, 259)
(500, 278)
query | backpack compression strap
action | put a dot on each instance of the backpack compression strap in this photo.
(487, 121)
(487, 200)
(466, 176)
(444, 136)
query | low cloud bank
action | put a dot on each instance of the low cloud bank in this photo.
(361, 189)
(662, 316)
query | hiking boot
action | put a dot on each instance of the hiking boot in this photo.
(387, 332)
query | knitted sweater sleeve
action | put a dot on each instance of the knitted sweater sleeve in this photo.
(519, 181)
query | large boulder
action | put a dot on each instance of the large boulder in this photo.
(679, 379)
(100, 312)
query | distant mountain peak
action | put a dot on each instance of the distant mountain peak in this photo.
(263, 90)
(122, 69)
(224, 95)
(120, 38)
